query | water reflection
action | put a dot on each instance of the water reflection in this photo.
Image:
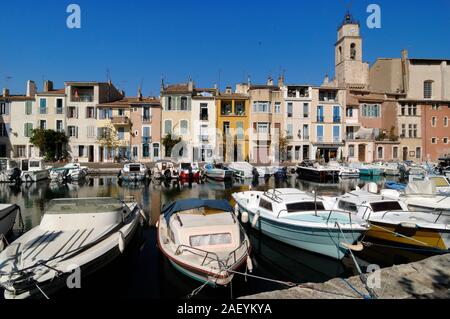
(144, 273)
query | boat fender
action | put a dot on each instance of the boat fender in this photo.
(244, 217)
(249, 264)
(255, 219)
(236, 210)
(121, 243)
(409, 225)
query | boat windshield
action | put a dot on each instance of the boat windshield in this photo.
(440, 181)
(35, 164)
(347, 206)
(84, 206)
(304, 207)
(210, 240)
(185, 166)
(135, 168)
(386, 206)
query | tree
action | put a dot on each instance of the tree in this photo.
(52, 143)
(283, 144)
(169, 142)
(109, 139)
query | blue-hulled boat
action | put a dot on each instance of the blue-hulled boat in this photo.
(301, 220)
(395, 185)
(370, 171)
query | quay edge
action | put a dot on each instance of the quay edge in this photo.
(426, 279)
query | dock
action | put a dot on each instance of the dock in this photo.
(426, 279)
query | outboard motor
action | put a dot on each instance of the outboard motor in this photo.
(65, 176)
(15, 175)
(255, 173)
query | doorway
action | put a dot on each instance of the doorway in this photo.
(91, 153)
(405, 153)
(362, 153)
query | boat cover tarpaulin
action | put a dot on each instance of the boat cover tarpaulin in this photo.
(188, 204)
(420, 188)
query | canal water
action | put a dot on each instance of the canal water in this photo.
(142, 271)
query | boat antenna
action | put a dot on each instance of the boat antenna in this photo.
(315, 201)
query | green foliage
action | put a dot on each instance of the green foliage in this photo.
(169, 142)
(51, 142)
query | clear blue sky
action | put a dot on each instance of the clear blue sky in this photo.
(145, 40)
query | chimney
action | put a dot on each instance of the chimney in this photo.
(31, 88)
(140, 94)
(48, 86)
(123, 93)
(5, 92)
(191, 85)
(404, 55)
(326, 80)
(228, 90)
(405, 71)
(280, 81)
(270, 81)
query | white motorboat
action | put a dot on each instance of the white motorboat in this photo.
(33, 170)
(70, 172)
(88, 232)
(345, 171)
(134, 172)
(203, 240)
(165, 170)
(8, 214)
(242, 170)
(420, 196)
(301, 220)
(218, 172)
(392, 221)
(441, 183)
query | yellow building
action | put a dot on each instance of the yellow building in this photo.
(233, 126)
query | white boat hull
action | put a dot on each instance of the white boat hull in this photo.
(34, 176)
(8, 215)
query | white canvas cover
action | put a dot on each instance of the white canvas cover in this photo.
(420, 187)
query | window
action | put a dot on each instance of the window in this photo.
(184, 127)
(433, 121)
(445, 140)
(418, 152)
(59, 126)
(146, 113)
(146, 151)
(262, 128)
(412, 109)
(290, 131)
(305, 110)
(290, 109)
(320, 117)
(239, 108)
(353, 51)
(121, 133)
(347, 206)
(121, 112)
(105, 114)
(277, 108)
(403, 109)
(59, 106)
(261, 107)
(73, 131)
(43, 106)
(446, 121)
(433, 140)
(43, 124)
(210, 240)
(168, 127)
(240, 130)
(320, 133)
(336, 134)
(3, 129)
(184, 104)
(72, 112)
(146, 134)
(203, 112)
(349, 112)
(371, 110)
(135, 152)
(415, 131)
(4, 108)
(351, 151)
(435, 107)
(91, 131)
(336, 114)
(81, 151)
(28, 107)
(380, 152)
(226, 128)
(410, 131)
(386, 206)
(305, 132)
(304, 207)
(28, 129)
(395, 152)
(265, 204)
(403, 135)
(427, 89)
(156, 150)
(226, 108)
(90, 112)
(21, 151)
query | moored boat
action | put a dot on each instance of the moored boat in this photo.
(203, 239)
(218, 172)
(8, 213)
(70, 172)
(9, 171)
(33, 170)
(392, 221)
(86, 232)
(301, 220)
(133, 172)
(318, 173)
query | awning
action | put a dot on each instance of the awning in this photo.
(188, 204)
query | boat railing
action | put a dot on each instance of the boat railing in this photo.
(274, 195)
(211, 256)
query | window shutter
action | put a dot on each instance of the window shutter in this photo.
(6, 108)
(76, 131)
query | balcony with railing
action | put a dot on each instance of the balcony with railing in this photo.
(320, 139)
(121, 120)
(146, 139)
(146, 119)
(82, 98)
